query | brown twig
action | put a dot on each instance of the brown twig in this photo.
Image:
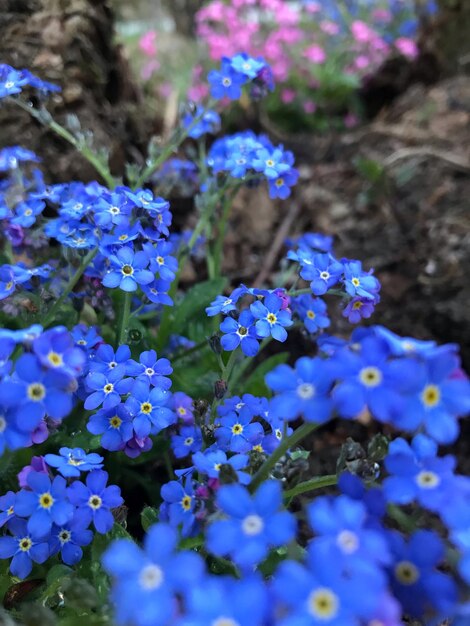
(455, 160)
(277, 243)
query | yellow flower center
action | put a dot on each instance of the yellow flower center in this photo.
(427, 479)
(279, 182)
(356, 282)
(272, 319)
(323, 604)
(406, 572)
(36, 392)
(224, 621)
(237, 429)
(46, 500)
(146, 407)
(186, 503)
(370, 376)
(55, 359)
(108, 388)
(95, 502)
(181, 410)
(115, 421)
(430, 396)
(25, 544)
(128, 270)
(311, 315)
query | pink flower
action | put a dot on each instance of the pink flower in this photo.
(310, 106)
(350, 120)
(362, 62)
(361, 32)
(407, 47)
(330, 28)
(147, 43)
(382, 15)
(287, 96)
(315, 53)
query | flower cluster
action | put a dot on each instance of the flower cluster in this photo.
(249, 156)
(47, 516)
(39, 386)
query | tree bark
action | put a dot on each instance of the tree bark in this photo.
(452, 36)
(70, 42)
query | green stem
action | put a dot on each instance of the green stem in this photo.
(310, 485)
(70, 285)
(185, 353)
(170, 148)
(80, 146)
(279, 452)
(219, 242)
(126, 312)
(226, 371)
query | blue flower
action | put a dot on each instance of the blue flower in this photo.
(183, 407)
(222, 304)
(323, 270)
(112, 209)
(11, 80)
(95, 501)
(360, 283)
(225, 601)
(414, 578)
(147, 582)
(27, 212)
(149, 409)
(254, 523)
(128, 270)
(55, 349)
(11, 157)
(107, 390)
(157, 292)
(211, 461)
(369, 380)
(12, 436)
(341, 526)
(44, 504)
(70, 462)
(237, 433)
(34, 392)
(312, 311)
(24, 547)
(114, 425)
(227, 82)
(241, 333)
(69, 539)
(417, 474)
(303, 391)
(271, 163)
(7, 507)
(272, 320)
(107, 360)
(161, 260)
(247, 66)
(358, 309)
(188, 441)
(209, 122)
(280, 187)
(180, 501)
(152, 370)
(440, 396)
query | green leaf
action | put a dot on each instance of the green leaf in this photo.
(371, 170)
(255, 383)
(299, 454)
(148, 517)
(195, 301)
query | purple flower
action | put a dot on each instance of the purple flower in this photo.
(357, 309)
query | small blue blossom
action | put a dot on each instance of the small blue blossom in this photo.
(45, 504)
(254, 523)
(107, 390)
(208, 122)
(241, 333)
(312, 311)
(24, 547)
(180, 502)
(237, 432)
(72, 461)
(360, 283)
(147, 582)
(270, 163)
(210, 462)
(272, 320)
(187, 441)
(149, 409)
(69, 539)
(114, 425)
(128, 270)
(226, 83)
(303, 391)
(95, 501)
(151, 370)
